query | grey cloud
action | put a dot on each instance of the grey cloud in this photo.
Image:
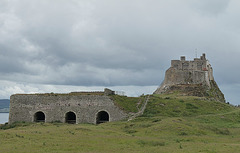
(213, 7)
(109, 43)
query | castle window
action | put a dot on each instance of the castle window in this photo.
(70, 118)
(102, 117)
(39, 117)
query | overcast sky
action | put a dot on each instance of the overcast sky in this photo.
(72, 45)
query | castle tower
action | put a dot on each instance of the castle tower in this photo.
(193, 78)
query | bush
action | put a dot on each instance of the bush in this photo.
(13, 125)
(157, 120)
(182, 101)
(150, 143)
(182, 133)
(191, 106)
(130, 131)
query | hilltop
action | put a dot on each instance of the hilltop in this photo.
(170, 123)
(191, 78)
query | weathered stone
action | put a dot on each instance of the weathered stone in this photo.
(86, 106)
(194, 78)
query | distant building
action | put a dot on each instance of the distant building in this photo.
(75, 107)
(195, 74)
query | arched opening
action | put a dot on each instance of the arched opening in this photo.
(39, 117)
(70, 118)
(102, 117)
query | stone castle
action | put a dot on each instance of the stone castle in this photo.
(194, 78)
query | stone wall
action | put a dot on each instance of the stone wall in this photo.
(23, 107)
(174, 76)
(198, 64)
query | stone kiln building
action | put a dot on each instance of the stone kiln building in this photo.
(75, 107)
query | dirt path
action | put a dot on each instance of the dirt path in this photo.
(141, 111)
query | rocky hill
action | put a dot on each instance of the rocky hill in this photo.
(191, 78)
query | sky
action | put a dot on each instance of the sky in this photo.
(83, 45)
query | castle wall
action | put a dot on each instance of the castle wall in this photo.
(55, 106)
(174, 76)
(197, 65)
(183, 72)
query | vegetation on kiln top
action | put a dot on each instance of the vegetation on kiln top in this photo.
(67, 94)
(128, 104)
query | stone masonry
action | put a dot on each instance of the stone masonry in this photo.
(198, 71)
(83, 107)
(193, 78)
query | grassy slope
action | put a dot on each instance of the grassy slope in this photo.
(173, 105)
(128, 104)
(170, 124)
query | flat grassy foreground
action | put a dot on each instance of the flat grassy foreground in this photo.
(169, 125)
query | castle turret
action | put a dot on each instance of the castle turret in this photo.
(196, 76)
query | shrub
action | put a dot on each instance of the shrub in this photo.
(182, 133)
(157, 120)
(150, 143)
(13, 125)
(182, 101)
(191, 106)
(130, 131)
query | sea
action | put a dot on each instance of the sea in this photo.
(4, 118)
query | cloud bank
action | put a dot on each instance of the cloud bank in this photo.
(92, 43)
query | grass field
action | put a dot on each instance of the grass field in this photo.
(170, 124)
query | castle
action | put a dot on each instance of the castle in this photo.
(196, 76)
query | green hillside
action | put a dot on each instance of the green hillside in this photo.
(174, 105)
(170, 123)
